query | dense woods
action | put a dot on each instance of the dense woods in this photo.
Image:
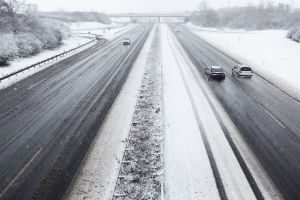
(78, 16)
(23, 33)
(263, 16)
(294, 33)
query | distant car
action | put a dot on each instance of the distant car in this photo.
(99, 37)
(126, 42)
(215, 72)
(242, 71)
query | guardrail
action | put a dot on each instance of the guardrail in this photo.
(44, 61)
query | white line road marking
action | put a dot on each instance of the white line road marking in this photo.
(32, 86)
(297, 101)
(274, 118)
(20, 173)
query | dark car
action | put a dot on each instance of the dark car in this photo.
(215, 72)
(126, 42)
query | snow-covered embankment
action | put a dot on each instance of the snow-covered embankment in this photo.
(271, 55)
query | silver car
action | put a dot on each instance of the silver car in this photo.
(242, 71)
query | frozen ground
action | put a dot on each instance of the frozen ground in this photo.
(269, 53)
(74, 41)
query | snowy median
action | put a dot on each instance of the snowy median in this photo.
(140, 175)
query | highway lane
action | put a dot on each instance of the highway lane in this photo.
(48, 120)
(267, 118)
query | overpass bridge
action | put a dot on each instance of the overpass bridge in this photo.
(146, 15)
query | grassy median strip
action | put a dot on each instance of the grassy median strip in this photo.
(140, 175)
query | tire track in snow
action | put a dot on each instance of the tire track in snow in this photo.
(216, 173)
(241, 161)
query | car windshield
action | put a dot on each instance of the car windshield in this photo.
(217, 70)
(245, 69)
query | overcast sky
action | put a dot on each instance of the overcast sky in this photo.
(121, 6)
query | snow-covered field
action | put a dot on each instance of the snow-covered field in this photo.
(90, 29)
(269, 52)
(121, 20)
(88, 25)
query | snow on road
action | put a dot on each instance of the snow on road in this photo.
(97, 176)
(269, 52)
(188, 174)
(188, 120)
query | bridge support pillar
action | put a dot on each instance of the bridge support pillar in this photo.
(158, 19)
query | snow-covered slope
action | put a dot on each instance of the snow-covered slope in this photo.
(81, 33)
(90, 29)
(87, 25)
(269, 52)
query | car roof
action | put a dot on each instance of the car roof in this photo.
(216, 67)
(244, 65)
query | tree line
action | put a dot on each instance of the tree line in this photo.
(294, 33)
(23, 33)
(78, 16)
(262, 16)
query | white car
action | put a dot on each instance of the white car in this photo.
(242, 71)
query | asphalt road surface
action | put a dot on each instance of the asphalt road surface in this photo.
(48, 120)
(268, 119)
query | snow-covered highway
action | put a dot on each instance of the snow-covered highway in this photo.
(267, 118)
(48, 120)
(67, 129)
